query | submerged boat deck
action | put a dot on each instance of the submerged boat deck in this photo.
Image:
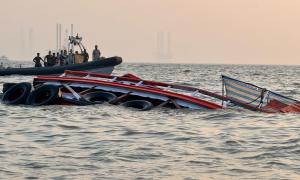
(131, 85)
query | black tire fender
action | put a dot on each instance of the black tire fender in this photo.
(99, 97)
(16, 94)
(80, 102)
(43, 95)
(6, 86)
(141, 105)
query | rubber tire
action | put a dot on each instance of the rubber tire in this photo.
(80, 102)
(6, 86)
(99, 97)
(43, 95)
(141, 105)
(16, 94)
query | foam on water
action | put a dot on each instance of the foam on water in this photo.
(105, 141)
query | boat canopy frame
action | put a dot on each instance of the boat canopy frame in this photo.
(75, 41)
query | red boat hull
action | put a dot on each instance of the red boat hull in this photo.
(147, 89)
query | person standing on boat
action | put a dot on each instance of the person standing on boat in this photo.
(37, 60)
(57, 59)
(65, 57)
(48, 59)
(53, 60)
(71, 57)
(85, 56)
(61, 58)
(96, 54)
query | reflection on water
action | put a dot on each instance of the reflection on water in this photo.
(105, 141)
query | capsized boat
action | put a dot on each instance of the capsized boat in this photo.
(85, 88)
(129, 90)
(256, 98)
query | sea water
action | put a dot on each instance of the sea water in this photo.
(112, 142)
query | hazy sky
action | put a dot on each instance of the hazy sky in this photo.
(202, 31)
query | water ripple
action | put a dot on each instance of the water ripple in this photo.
(112, 142)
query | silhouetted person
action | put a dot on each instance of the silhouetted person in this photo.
(53, 60)
(37, 60)
(62, 58)
(71, 57)
(65, 57)
(57, 59)
(47, 60)
(85, 56)
(96, 54)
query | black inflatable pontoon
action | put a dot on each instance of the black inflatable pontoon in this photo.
(105, 66)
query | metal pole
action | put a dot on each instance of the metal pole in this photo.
(72, 29)
(60, 36)
(56, 37)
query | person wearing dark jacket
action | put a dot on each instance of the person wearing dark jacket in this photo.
(85, 56)
(37, 60)
(48, 59)
(62, 58)
(53, 59)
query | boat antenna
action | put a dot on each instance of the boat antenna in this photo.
(72, 27)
